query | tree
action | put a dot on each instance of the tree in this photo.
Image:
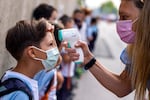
(81, 3)
(108, 7)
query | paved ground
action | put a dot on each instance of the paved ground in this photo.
(108, 49)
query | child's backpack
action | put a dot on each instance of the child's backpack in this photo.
(14, 84)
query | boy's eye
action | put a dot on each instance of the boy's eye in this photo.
(51, 44)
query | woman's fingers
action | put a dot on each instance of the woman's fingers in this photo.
(82, 45)
(72, 53)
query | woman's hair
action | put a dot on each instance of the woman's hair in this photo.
(43, 11)
(141, 53)
(25, 34)
(139, 4)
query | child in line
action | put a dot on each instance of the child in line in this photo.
(50, 14)
(67, 66)
(92, 33)
(33, 45)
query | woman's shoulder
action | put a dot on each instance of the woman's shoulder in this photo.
(124, 57)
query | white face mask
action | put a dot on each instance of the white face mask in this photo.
(52, 58)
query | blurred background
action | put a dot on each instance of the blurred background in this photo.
(107, 46)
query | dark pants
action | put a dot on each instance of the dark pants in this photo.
(92, 43)
(91, 46)
(64, 93)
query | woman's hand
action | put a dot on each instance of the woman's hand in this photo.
(75, 56)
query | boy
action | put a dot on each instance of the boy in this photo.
(34, 47)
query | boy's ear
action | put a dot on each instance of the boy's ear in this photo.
(35, 53)
(31, 52)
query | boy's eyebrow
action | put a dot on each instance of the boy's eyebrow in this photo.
(50, 41)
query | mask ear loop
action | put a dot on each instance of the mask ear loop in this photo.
(135, 20)
(38, 49)
(39, 59)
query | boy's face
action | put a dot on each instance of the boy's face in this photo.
(47, 43)
(53, 17)
(79, 16)
(69, 24)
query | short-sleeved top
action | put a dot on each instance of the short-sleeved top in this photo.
(82, 31)
(67, 70)
(127, 61)
(19, 95)
(44, 77)
(91, 30)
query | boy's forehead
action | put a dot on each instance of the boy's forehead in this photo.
(49, 36)
(47, 40)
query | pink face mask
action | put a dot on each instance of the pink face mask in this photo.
(124, 30)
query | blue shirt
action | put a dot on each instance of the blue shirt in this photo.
(127, 61)
(92, 29)
(19, 95)
(38, 85)
(44, 77)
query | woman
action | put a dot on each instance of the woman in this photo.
(118, 84)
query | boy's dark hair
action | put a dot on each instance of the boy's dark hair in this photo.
(43, 11)
(24, 34)
(86, 11)
(65, 19)
(77, 11)
(93, 20)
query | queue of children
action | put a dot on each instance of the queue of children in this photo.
(44, 71)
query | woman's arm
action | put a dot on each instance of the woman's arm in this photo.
(118, 84)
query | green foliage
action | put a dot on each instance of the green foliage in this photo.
(108, 7)
(80, 2)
